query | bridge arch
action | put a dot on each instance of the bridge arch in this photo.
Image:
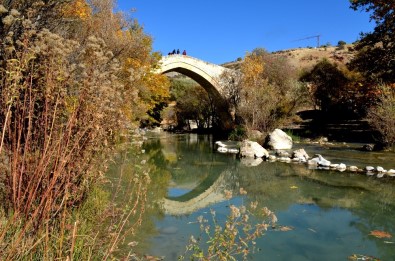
(207, 193)
(204, 73)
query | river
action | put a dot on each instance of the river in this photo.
(329, 215)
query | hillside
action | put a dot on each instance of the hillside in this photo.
(305, 58)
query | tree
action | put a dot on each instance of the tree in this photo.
(336, 89)
(265, 93)
(327, 84)
(376, 50)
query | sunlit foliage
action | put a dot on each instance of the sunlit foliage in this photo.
(75, 77)
(266, 93)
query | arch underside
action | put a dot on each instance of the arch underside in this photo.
(208, 84)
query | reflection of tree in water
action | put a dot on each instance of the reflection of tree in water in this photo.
(189, 158)
(125, 175)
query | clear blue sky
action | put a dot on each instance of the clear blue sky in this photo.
(220, 31)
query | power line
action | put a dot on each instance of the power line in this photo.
(314, 36)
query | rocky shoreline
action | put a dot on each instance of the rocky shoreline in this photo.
(279, 144)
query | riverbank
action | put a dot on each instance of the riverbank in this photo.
(314, 124)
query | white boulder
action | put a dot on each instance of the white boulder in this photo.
(279, 140)
(380, 169)
(252, 149)
(300, 154)
(318, 160)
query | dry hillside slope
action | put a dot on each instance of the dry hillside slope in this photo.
(305, 58)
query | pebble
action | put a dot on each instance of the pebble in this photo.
(322, 163)
(222, 150)
(391, 173)
(284, 159)
(342, 167)
(233, 151)
(380, 169)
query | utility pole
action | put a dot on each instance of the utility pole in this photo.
(314, 36)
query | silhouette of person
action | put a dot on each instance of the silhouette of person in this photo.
(184, 52)
(174, 51)
(178, 51)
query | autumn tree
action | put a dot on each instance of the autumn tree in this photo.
(266, 92)
(147, 92)
(376, 50)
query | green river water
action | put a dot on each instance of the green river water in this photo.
(331, 213)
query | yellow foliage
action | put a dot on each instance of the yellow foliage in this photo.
(77, 9)
(252, 69)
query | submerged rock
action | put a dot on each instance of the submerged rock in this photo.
(251, 162)
(368, 147)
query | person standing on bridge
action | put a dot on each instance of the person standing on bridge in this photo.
(178, 51)
(184, 52)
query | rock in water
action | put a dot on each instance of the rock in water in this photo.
(301, 155)
(320, 161)
(279, 140)
(252, 149)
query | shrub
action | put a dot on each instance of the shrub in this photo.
(235, 239)
(63, 105)
(265, 93)
(341, 45)
(381, 116)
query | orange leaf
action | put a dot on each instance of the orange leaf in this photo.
(380, 234)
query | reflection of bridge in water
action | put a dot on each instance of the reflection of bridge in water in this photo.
(209, 192)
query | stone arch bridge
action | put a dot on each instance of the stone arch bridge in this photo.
(204, 73)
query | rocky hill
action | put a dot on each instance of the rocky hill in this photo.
(305, 58)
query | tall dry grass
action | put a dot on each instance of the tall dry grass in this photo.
(62, 106)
